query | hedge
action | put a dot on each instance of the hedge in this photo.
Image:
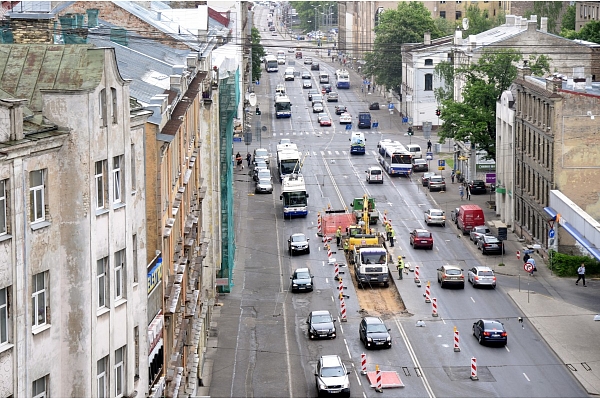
(566, 265)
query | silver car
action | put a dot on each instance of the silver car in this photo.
(435, 216)
(479, 231)
(263, 185)
(481, 276)
(331, 376)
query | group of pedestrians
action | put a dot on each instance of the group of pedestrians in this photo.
(239, 161)
(390, 234)
(462, 190)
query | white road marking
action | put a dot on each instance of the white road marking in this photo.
(507, 349)
(356, 374)
(526, 377)
(473, 300)
(347, 349)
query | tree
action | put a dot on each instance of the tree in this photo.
(444, 72)
(568, 19)
(406, 24)
(258, 52)
(590, 32)
(553, 10)
(445, 26)
(480, 21)
(474, 119)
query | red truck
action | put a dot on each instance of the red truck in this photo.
(469, 216)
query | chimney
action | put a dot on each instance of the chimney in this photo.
(553, 84)
(458, 40)
(544, 24)
(175, 83)
(531, 26)
(11, 111)
(31, 28)
(510, 20)
(525, 69)
(427, 38)
(158, 15)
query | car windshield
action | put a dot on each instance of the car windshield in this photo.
(321, 319)
(261, 153)
(485, 273)
(453, 272)
(325, 119)
(298, 238)
(424, 234)
(493, 325)
(332, 372)
(376, 328)
(434, 179)
(302, 275)
(375, 172)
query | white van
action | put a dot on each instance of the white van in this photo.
(323, 77)
(288, 75)
(414, 150)
(374, 175)
(280, 53)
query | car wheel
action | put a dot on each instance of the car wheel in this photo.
(308, 251)
(444, 225)
(480, 339)
(442, 284)
(431, 247)
(386, 284)
(462, 286)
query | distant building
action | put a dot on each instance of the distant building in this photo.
(586, 11)
(455, 11)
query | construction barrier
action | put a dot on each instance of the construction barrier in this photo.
(518, 255)
(428, 292)
(456, 342)
(474, 369)
(343, 306)
(379, 387)
(385, 218)
(417, 280)
(318, 223)
(336, 272)
(363, 364)
(329, 253)
(434, 312)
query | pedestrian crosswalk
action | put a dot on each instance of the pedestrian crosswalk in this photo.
(324, 153)
(321, 133)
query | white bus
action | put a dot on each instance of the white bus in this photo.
(283, 107)
(357, 143)
(395, 159)
(288, 160)
(294, 196)
(342, 78)
(271, 63)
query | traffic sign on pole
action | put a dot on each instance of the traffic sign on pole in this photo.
(528, 267)
(349, 127)
(551, 233)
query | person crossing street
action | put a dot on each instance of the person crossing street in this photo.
(581, 274)
(400, 266)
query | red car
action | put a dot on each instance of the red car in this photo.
(325, 121)
(421, 238)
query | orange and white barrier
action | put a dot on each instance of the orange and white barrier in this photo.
(518, 255)
(336, 272)
(385, 218)
(428, 292)
(319, 223)
(434, 312)
(329, 253)
(379, 387)
(417, 280)
(474, 376)
(363, 364)
(456, 340)
(343, 307)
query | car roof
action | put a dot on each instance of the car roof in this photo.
(421, 230)
(435, 209)
(483, 268)
(375, 168)
(451, 267)
(320, 312)
(331, 361)
(302, 270)
(420, 160)
(373, 320)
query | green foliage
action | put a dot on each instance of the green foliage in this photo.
(568, 19)
(590, 32)
(474, 118)
(258, 51)
(550, 9)
(445, 26)
(406, 24)
(306, 12)
(444, 72)
(480, 21)
(539, 64)
(566, 265)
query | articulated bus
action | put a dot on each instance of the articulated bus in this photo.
(395, 159)
(288, 160)
(271, 63)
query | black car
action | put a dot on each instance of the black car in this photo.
(419, 165)
(325, 88)
(490, 244)
(374, 106)
(339, 110)
(374, 333)
(314, 66)
(490, 331)
(302, 280)
(298, 242)
(477, 187)
(311, 92)
(321, 325)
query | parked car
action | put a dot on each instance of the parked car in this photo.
(490, 244)
(345, 119)
(450, 275)
(314, 66)
(373, 333)
(317, 107)
(454, 215)
(490, 331)
(339, 110)
(298, 242)
(374, 106)
(419, 165)
(477, 187)
(481, 276)
(306, 83)
(435, 216)
(436, 182)
(331, 376)
(302, 279)
(321, 325)
(332, 97)
(374, 175)
(262, 154)
(263, 185)
(325, 121)
(425, 178)
(421, 238)
(478, 232)
(262, 173)
(311, 93)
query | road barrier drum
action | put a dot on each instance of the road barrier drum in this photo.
(363, 364)
(518, 255)
(474, 369)
(343, 306)
(417, 280)
(379, 387)
(456, 340)
(319, 223)
(428, 292)
(336, 272)
(434, 312)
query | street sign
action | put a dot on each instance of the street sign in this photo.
(528, 267)
(441, 163)
(349, 127)
(551, 233)
(405, 120)
(391, 106)
(375, 124)
(429, 155)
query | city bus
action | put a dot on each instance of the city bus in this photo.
(342, 78)
(395, 159)
(357, 143)
(294, 196)
(271, 63)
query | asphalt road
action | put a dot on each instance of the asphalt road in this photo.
(262, 349)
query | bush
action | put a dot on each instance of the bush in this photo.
(566, 265)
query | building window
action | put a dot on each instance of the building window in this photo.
(101, 379)
(443, 14)
(133, 177)
(102, 106)
(3, 213)
(39, 388)
(113, 109)
(429, 62)
(99, 176)
(102, 282)
(3, 316)
(120, 372)
(428, 82)
(135, 256)
(39, 300)
(119, 274)
(117, 179)
(36, 196)
(458, 15)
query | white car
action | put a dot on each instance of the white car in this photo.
(306, 83)
(318, 107)
(345, 118)
(435, 216)
(281, 60)
(481, 276)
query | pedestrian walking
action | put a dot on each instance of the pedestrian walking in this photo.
(392, 235)
(468, 192)
(249, 159)
(452, 176)
(239, 161)
(461, 192)
(581, 274)
(338, 236)
(428, 145)
(369, 88)
(526, 258)
(400, 266)
(531, 261)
